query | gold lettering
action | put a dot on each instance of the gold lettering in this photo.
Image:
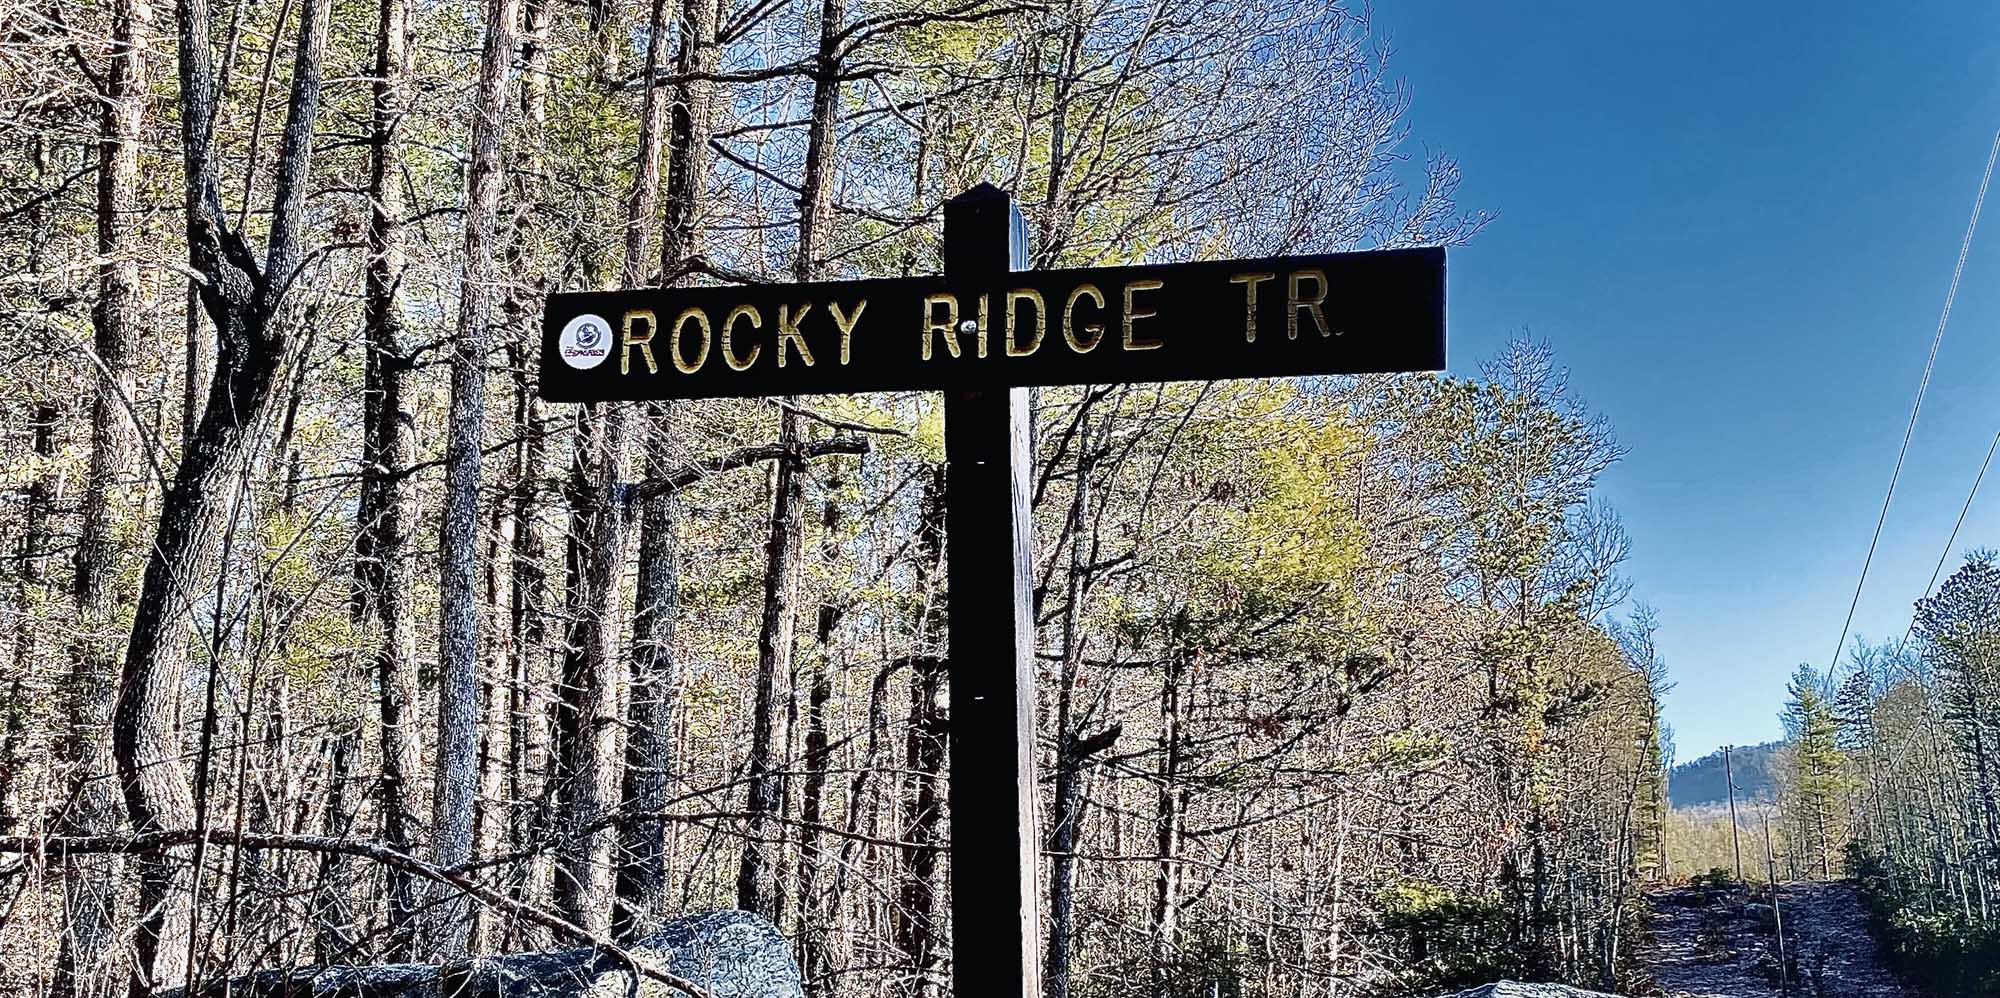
(1095, 329)
(1131, 312)
(1299, 301)
(644, 343)
(982, 326)
(756, 322)
(1014, 298)
(1250, 282)
(846, 324)
(949, 327)
(674, 345)
(788, 331)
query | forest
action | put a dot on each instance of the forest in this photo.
(1887, 775)
(326, 641)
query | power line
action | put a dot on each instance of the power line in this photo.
(1958, 271)
(1945, 554)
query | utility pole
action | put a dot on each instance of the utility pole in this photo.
(1736, 846)
(1777, 909)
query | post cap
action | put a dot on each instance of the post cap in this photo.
(981, 192)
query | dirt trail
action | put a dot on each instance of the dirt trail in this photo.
(1720, 943)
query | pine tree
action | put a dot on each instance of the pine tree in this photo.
(1815, 796)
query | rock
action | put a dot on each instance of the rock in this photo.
(1509, 989)
(732, 954)
(1763, 914)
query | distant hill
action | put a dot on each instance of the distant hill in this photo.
(1692, 784)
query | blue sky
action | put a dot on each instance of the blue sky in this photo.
(1736, 222)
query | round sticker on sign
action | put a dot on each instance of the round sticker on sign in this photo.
(585, 342)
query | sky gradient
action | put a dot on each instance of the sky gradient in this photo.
(1736, 224)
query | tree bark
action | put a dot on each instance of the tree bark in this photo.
(924, 754)
(1168, 807)
(693, 116)
(641, 877)
(528, 727)
(587, 711)
(90, 885)
(38, 509)
(1070, 757)
(333, 909)
(757, 886)
(381, 566)
(649, 748)
(458, 544)
(776, 639)
(813, 930)
(241, 299)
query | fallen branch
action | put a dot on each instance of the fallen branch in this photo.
(153, 842)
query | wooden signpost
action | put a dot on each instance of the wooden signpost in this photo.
(979, 333)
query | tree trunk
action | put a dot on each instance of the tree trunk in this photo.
(38, 508)
(587, 712)
(693, 113)
(528, 728)
(242, 301)
(1071, 751)
(1168, 805)
(458, 543)
(649, 749)
(815, 217)
(757, 886)
(90, 885)
(381, 566)
(812, 930)
(491, 816)
(924, 753)
(602, 23)
(642, 868)
(333, 910)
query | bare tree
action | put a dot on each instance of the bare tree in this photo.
(242, 298)
(649, 749)
(638, 895)
(381, 566)
(458, 582)
(93, 804)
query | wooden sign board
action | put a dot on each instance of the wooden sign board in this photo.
(1344, 313)
(978, 333)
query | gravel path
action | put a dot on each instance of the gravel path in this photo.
(1715, 943)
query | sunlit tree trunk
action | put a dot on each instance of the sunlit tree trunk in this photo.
(90, 885)
(382, 569)
(641, 874)
(242, 299)
(457, 778)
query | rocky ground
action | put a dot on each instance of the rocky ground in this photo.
(1722, 943)
(1509, 989)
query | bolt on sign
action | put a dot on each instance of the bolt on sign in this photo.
(979, 333)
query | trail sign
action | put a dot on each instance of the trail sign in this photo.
(978, 333)
(1342, 313)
